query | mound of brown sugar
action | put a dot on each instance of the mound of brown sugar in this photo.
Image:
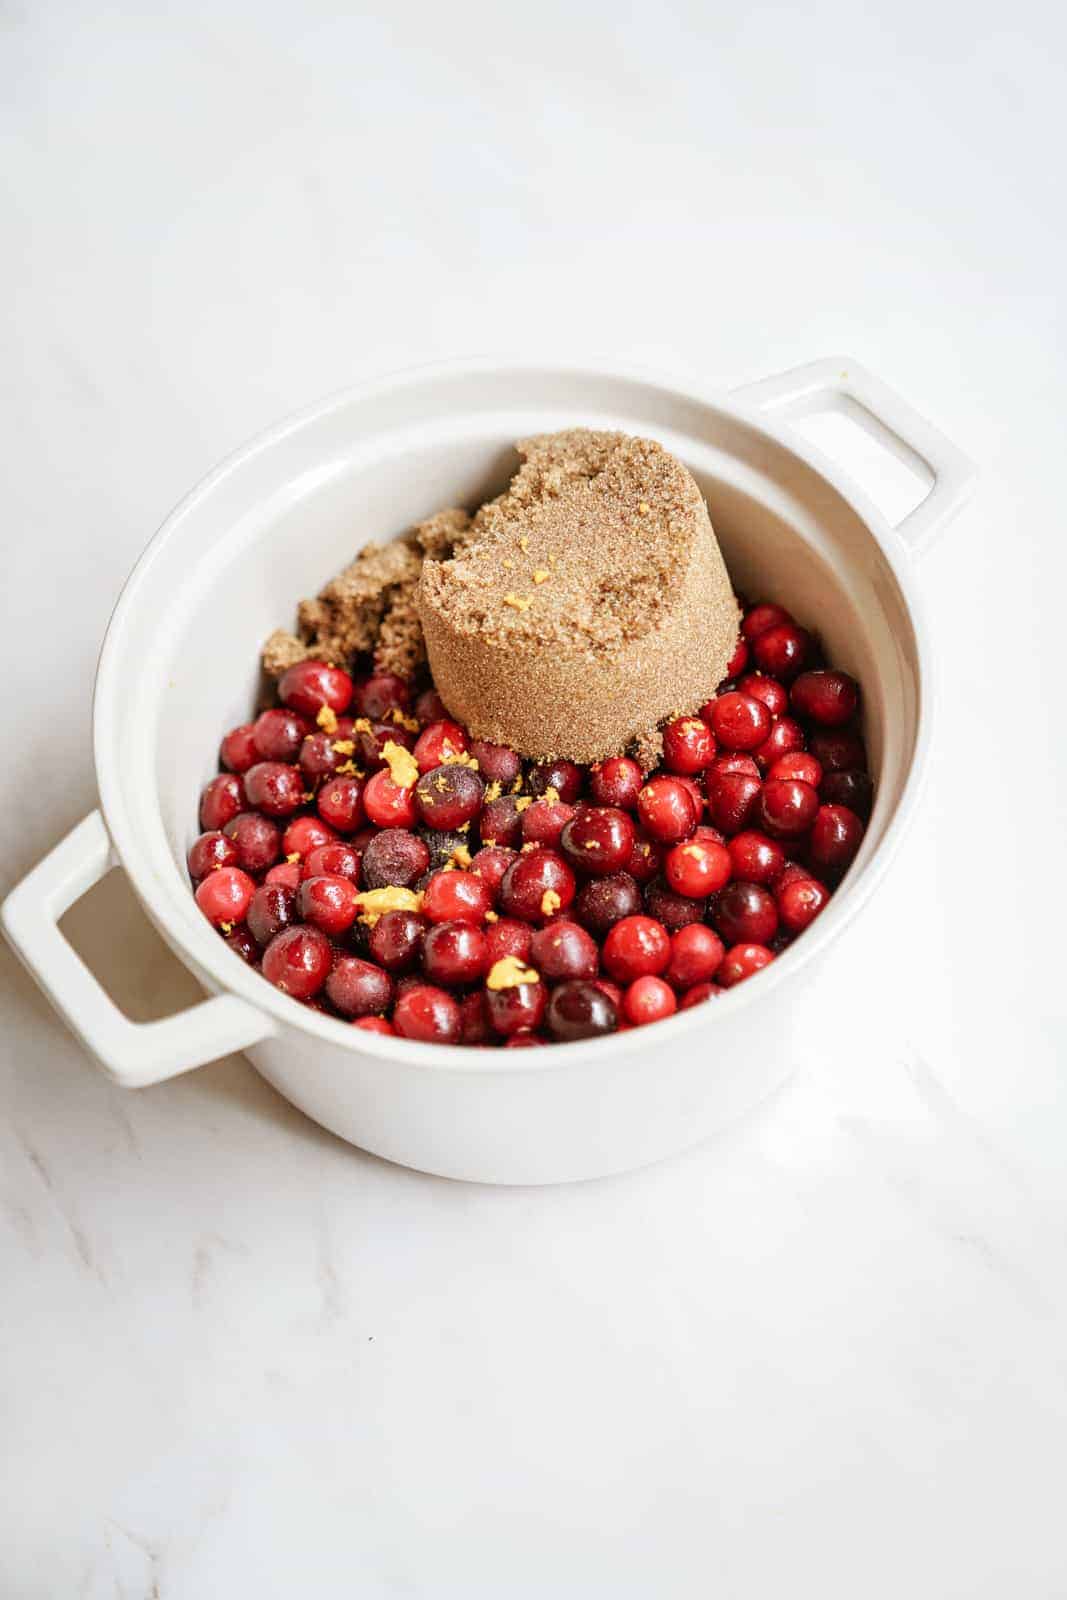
(586, 604)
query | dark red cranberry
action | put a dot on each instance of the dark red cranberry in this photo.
(667, 810)
(598, 840)
(733, 800)
(755, 857)
(237, 751)
(688, 746)
(563, 776)
(697, 869)
(735, 762)
(225, 895)
(745, 913)
(310, 685)
(443, 846)
(800, 902)
(835, 837)
(827, 697)
(741, 962)
(389, 804)
(564, 950)
(332, 860)
(359, 988)
(278, 734)
(258, 841)
(370, 743)
(429, 707)
(297, 961)
(501, 822)
(581, 1010)
(272, 908)
(739, 660)
(648, 999)
(340, 803)
(375, 697)
(774, 695)
(318, 759)
(242, 944)
(490, 864)
(454, 954)
(602, 902)
(544, 822)
(646, 858)
(456, 897)
(740, 721)
(787, 809)
(783, 651)
(674, 910)
(762, 617)
(211, 850)
(850, 788)
(395, 941)
(274, 788)
(696, 952)
(612, 990)
(440, 742)
(537, 886)
(427, 1013)
(838, 750)
(305, 834)
(785, 736)
(496, 763)
(636, 946)
(615, 782)
(698, 994)
(695, 791)
(394, 857)
(221, 800)
(475, 1027)
(373, 1025)
(287, 873)
(508, 937)
(797, 764)
(519, 1007)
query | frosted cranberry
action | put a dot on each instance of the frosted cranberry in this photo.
(375, 697)
(474, 1024)
(739, 660)
(278, 734)
(636, 946)
(695, 955)
(490, 864)
(429, 707)
(581, 1010)
(688, 746)
(328, 903)
(428, 1014)
(598, 840)
(237, 751)
(501, 822)
(800, 902)
(395, 941)
(448, 797)
(838, 750)
(523, 1040)
(739, 721)
(762, 617)
(835, 837)
(674, 910)
(537, 886)
(615, 782)
(508, 937)
(771, 693)
(442, 844)
(211, 850)
(257, 840)
(519, 1007)
(389, 804)
(297, 961)
(340, 803)
(242, 944)
(287, 874)
(827, 697)
(797, 764)
(309, 685)
(698, 994)
(667, 811)
(440, 742)
(544, 822)
(454, 953)
(697, 869)
(646, 858)
(496, 763)
(785, 737)
(394, 857)
(734, 762)
(602, 902)
(850, 788)
(733, 800)
(741, 962)
(225, 895)
(274, 788)
(755, 858)
(564, 950)
(563, 776)
(373, 1025)
(456, 897)
(787, 808)
(334, 859)
(745, 913)
(272, 908)
(305, 834)
(648, 999)
(222, 799)
(318, 759)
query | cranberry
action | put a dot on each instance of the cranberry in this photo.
(396, 939)
(698, 994)
(237, 751)
(440, 742)
(792, 872)
(564, 950)
(310, 685)
(332, 860)
(741, 962)
(305, 834)
(429, 1014)
(359, 988)
(835, 837)
(519, 1007)
(773, 694)
(278, 734)
(580, 1010)
(211, 850)
(733, 799)
(800, 902)
(827, 697)
(646, 858)
(373, 1025)
(257, 840)
(695, 791)
(688, 746)
(762, 617)
(697, 869)
(667, 811)
(370, 742)
(375, 697)
(318, 758)
(455, 953)
(797, 764)
(696, 952)
(442, 845)
(787, 809)
(221, 800)
(785, 737)
(272, 908)
(242, 944)
(274, 788)
(297, 961)
(674, 910)
(501, 822)
(394, 857)
(612, 990)
(456, 897)
(740, 721)
(636, 946)
(783, 651)
(544, 822)
(328, 903)
(850, 788)
(389, 804)
(286, 873)
(745, 913)
(648, 999)
(755, 858)
(602, 902)
(475, 1027)
(429, 707)
(615, 782)
(490, 864)
(340, 803)
(496, 763)
(598, 840)
(537, 886)
(225, 895)
(735, 762)
(523, 1040)
(563, 776)
(738, 661)
(508, 937)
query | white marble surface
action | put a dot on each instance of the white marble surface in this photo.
(824, 1355)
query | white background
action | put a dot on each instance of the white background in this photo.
(825, 1355)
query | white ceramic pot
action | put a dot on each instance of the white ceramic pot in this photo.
(179, 666)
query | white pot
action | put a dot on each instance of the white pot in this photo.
(179, 666)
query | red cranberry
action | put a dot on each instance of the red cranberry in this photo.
(429, 1014)
(674, 910)
(564, 950)
(762, 617)
(697, 869)
(646, 858)
(389, 804)
(636, 946)
(237, 751)
(698, 994)
(783, 651)
(278, 734)
(257, 840)
(519, 1007)
(740, 721)
(563, 776)
(741, 962)
(648, 999)
(785, 737)
(695, 791)
(773, 694)
(797, 764)
(839, 750)
(667, 811)
(328, 903)
(508, 937)
(496, 763)
(242, 944)
(396, 939)
(211, 850)
(305, 834)
(733, 799)
(688, 746)
(373, 1025)
(340, 803)
(745, 913)
(394, 857)
(287, 874)
(735, 762)
(440, 742)
(318, 759)
(755, 858)
(835, 837)
(429, 707)
(332, 860)
(787, 809)
(276, 789)
(612, 990)
(792, 872)
(310, 685)
(475, 1027)
(598, 840)
(454, 953)
(490, 864)
(221, 800)
(849, 788)
(359, 988)
(544, 822)
(738, 661)
(272, 908)
(827, 697)
(375, 697)
(297, 961)
(800, 902)
(615, 782)
(537, 886)
(581, 1010)
(456, 897)
(696, 952)
(501, 822)
(225, 895)
(602, 902)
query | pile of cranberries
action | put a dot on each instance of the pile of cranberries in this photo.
(375, 862)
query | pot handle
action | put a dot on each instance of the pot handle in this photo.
(837, 383)
(131, 1053)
